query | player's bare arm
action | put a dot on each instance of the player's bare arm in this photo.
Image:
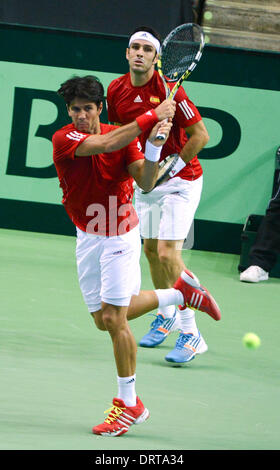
(119, 138)
(110, 142)
(145, 171)
(198, 138)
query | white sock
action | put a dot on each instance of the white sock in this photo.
(168, 311)
(188, 324)
(126, 390)
(169, 297)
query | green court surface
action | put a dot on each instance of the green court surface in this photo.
(58, 373)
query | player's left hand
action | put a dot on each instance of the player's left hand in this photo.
(162, 127)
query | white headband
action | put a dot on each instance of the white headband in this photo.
(146, 37)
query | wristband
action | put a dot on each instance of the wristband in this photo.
(179, 165)
(148, 120)
(152, 153)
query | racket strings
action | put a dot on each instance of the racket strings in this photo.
(179, 52)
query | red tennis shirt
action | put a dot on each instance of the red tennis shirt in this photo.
(97, 190)
(126, 102)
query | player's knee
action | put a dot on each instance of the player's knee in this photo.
(99, 323)
(166, 257)
(109, 320)
(151, 253)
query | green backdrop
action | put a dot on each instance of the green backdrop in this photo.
(236, 91)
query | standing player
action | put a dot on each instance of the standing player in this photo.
(172, 205)
(96, 164)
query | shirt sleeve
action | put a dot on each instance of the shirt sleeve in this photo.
(186, 112)
(66, 142)
(111, 109)
(134, 152)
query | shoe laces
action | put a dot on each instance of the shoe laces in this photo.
(183, 338)
(157, 321)
(114, 413)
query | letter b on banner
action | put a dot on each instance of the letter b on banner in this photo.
(17, 164)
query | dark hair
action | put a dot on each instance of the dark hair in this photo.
(88, 87)
(152, 31)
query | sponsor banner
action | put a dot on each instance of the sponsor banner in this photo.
(238, 161)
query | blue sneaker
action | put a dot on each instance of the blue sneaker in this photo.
(186, 348)
(160, 329)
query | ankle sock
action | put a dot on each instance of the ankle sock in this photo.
(169, 297)
(168, 311)
(187, 319)
(126, 390)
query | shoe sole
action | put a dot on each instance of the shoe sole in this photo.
(254, 282)
(190, 278)
(143, 417)
(202, 350)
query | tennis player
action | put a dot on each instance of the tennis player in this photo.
(96, 164)
(171, 206)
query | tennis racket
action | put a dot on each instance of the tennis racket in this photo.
(165, 167)
(180, 53)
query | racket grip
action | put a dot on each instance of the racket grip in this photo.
(161, 136)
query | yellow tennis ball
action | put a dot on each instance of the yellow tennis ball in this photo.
(251, 340)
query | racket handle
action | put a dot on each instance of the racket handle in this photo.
(159, 135)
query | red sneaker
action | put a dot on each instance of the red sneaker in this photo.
(197, 296)
(121, 417)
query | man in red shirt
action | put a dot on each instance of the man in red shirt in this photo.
(172, 205)
(96, 164)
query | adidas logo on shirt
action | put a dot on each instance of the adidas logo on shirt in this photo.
(74, 135)
(138, 99)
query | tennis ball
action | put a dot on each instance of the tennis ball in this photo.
(251, 340)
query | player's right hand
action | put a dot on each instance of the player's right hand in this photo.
(163, 128)
(166, 109)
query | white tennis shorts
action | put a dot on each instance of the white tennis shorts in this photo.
(108, 268)
(167, 212)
